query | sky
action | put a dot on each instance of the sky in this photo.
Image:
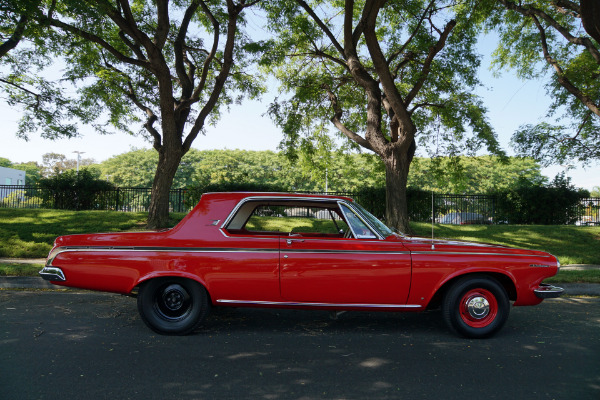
(511, 103)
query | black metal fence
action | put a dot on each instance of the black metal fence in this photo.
(119, 199)
(588, 212)
(447, 208)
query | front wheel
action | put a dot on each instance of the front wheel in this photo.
(476, 307)
(172, 306)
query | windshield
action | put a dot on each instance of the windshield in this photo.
(384, 231)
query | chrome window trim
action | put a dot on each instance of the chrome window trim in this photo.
(275, 198)
(362, 218)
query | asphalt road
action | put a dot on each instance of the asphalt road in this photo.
(94, 346)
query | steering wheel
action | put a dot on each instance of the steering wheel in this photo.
(348, 234)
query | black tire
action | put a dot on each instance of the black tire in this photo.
(476, 307)
(172, 306)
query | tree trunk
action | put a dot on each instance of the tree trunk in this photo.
(158, 212)
(397, 164)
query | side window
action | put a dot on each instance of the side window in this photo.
(317, 219)
(358, 227)
(294, 219)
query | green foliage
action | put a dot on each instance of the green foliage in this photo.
(33, 172)
(568, 59)
(551, 204)
(308, 65)
(200, 169)
(474, 175)
(74, 191)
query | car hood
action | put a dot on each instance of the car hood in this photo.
(415, 243)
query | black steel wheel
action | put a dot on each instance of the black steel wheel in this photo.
(476, 306)
(172, 306)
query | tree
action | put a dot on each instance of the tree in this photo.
(169, 66)
(54, 164)
(384, 74)
(537, 37)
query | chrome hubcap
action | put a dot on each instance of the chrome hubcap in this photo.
(478, 307)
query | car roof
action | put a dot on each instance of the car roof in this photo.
(270, 195)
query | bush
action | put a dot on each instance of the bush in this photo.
(554, 204)
(74, 191)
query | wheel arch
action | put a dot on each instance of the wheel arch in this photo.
(503, 279)
(170, 274)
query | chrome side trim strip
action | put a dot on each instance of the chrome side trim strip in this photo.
(330, 305)
(207, 250)
(68, 249)
(288, 251)
(467, 253)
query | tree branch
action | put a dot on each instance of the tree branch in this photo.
(433, 51)
(95, 39)
(186, 81)
(200, 87)
(532, 11)
(396, 103)
(322, 25)
(233, 12)
(411, 37)
(15, 38)
(560, 75)
(135, 47)
(162, 21)
(337, 121)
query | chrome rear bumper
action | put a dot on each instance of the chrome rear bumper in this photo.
(545, 291)
(52, 274)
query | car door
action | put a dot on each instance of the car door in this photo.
(362, 270)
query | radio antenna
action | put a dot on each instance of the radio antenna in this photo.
(432, 222)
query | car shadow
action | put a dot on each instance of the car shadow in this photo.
(316, 322)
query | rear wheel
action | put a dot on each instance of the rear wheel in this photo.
(476, 307)
(172, 306)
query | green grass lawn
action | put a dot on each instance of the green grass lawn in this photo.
(29, 233)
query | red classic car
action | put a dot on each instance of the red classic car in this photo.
(300, 251)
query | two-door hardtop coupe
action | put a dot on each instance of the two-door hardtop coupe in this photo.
(300, 251)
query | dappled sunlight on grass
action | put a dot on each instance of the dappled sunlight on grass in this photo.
(30, 233)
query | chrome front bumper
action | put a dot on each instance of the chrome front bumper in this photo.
(52, 274)
(545, 291)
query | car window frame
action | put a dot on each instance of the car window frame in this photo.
(280, 199)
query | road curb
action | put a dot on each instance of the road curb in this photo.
(25, 282)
